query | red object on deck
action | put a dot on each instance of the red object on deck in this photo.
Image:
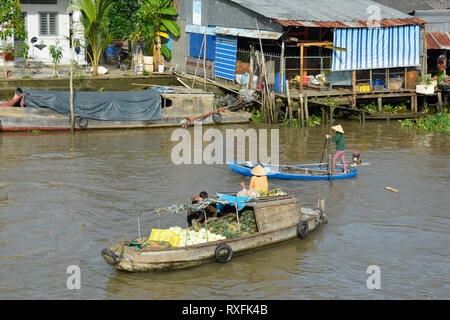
(15, 102)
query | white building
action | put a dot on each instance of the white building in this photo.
(49, 21)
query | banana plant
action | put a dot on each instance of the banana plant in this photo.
(156, 20)
(95, 23)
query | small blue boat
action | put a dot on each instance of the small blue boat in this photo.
(293, 172)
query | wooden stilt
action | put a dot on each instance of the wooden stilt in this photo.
(440, 106)
(380, 104)
(306, 110)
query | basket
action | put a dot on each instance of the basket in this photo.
(168, 236)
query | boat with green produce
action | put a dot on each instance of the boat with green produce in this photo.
(241, 226)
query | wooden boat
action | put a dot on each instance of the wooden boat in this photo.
(177, 103)
(278, 219)
(295, 172)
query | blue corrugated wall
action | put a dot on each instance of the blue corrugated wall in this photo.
(196, 40)
(226, 51)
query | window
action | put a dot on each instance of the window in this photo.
(48, 23)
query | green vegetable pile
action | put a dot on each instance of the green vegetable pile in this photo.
(228, 227)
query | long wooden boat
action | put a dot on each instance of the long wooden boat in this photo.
(177, 104)
(294, 172)
(278, 219)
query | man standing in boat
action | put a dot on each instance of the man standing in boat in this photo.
(340, 146)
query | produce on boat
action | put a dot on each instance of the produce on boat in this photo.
(254, 223)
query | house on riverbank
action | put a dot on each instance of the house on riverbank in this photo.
(365, 50)
(48, 22)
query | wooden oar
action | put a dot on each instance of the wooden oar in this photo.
(323, 151)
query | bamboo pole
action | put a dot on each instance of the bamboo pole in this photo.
(204, 65)
(198, 60)
(354, 89)
(282, 68)
(4, 52)
(72, 113)
(289, 105)
(301, 84)
(263, 61)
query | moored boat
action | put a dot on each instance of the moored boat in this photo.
(293, 172)
(278, 219)
(154, 107)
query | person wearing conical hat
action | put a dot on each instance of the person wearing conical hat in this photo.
(340, 146)
(259, 181)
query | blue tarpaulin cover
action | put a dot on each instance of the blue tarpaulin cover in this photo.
(372, 48)
(107, 105)
(240, 201)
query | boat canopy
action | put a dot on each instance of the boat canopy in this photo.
(107, 105)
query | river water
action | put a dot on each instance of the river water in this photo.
(63, 198)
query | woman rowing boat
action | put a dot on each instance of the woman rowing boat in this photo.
(340, 146)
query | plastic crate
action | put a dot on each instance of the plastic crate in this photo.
(168, 236)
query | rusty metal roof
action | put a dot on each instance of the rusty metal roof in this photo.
(438, 40)
(350, 24)
(327, 13)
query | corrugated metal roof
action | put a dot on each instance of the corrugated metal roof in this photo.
(434, 16)
(336, 11)
(408, 6)
(438, 40)
(351, 24)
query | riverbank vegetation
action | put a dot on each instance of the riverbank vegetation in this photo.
(387, 108)
(432, 122)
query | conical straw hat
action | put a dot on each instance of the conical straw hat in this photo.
(258, 171)
(338, 128)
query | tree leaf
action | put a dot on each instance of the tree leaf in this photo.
(172, 26)
(166, 52)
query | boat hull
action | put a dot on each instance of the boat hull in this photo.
(43, 119)
(135, 260)
(274, 172)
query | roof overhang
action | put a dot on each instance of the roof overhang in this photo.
(438, 40)
(351, 24)
(249, 33)
(246, 33)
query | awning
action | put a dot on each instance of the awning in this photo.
(246, 33)
(376, 48)
(438, 40)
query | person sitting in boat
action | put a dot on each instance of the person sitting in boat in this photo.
(340, 146)
(258, 183)
(199, 215)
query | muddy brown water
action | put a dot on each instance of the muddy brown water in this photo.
(63, 198)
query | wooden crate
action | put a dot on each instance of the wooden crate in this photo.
(273, 215)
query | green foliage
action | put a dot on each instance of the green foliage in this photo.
(11, 21)
(257, 116)
(312, 122)
(433, 122)
(387, 108)
(22, 51)
(372, 108)
(95, 24)
(155, 19)
(56, 53)
(122, 17)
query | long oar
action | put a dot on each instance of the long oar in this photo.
(323, 151)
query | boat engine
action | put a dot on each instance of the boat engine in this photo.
(356, 159)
